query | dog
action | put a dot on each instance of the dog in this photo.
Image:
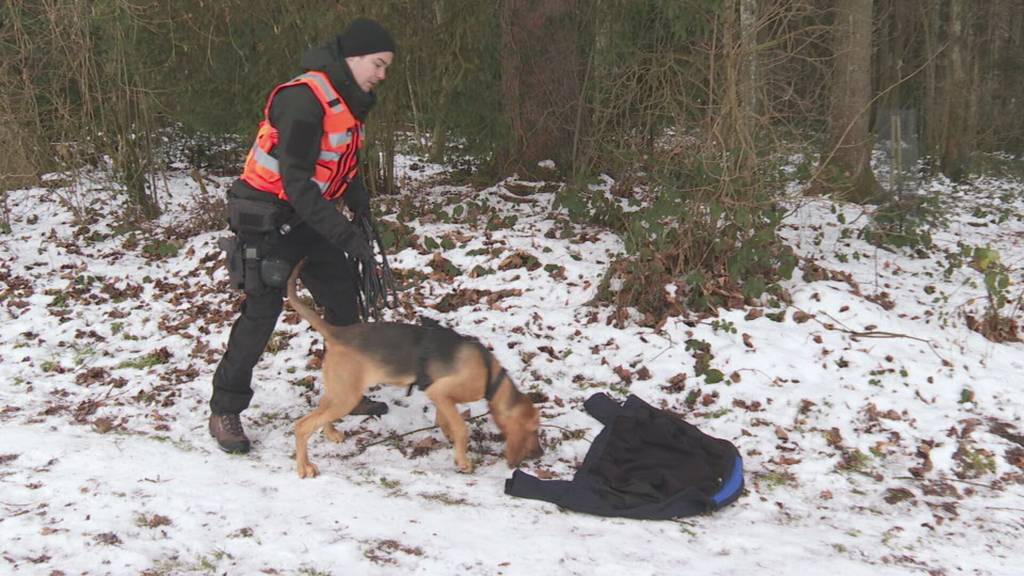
(451, 368)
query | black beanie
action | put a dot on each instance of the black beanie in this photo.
(365, 36)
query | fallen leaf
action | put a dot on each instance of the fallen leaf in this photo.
(624, 374)
(834, 438)
(746, 340)
(425, 446)
(800, 316)
(896, 495)
(102, 425)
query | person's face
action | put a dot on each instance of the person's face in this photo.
(369, 70)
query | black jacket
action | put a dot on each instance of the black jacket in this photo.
(646, 463)
(298, 117)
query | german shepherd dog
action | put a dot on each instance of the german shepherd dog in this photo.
(449, 367)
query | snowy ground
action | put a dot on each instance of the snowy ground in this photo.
(879, 434)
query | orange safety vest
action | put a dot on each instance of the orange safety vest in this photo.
(342, 138)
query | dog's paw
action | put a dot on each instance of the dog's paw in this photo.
(334, 435)
(465, 467)
(308, 470)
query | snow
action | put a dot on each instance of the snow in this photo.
(854, 421)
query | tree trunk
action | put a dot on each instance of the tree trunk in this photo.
(932, 124)
(846, 161)
(732, 120)
(957, 135)
(542, 64)
(750, 70)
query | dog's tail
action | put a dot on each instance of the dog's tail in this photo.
(310, 315)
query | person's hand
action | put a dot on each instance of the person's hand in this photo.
(357, 198)
(357, 247)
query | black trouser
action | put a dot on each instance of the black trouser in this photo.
(328, 275)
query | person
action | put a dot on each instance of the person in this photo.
(282, 210)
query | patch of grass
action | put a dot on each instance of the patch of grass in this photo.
(166, 567)
(974, 463)
(773, 479)
(279, 341)
(382, 551)
(154, 521)
(160, 249)
(687, 530)
(692, 397)
(479, 271)
(445, 499)
(718, 413)
(83, 352)
(51, 366)
(206, 565)
(307, 383)
(143, 362)
(855, 461)
(178, 443)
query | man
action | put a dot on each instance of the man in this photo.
(305, 156)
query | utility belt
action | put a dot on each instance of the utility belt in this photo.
(258, 223)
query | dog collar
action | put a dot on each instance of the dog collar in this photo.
(493, 384)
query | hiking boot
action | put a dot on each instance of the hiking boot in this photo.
(227, 429)
(368, 407)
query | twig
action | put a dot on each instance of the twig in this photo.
(516, 199)
(391, 437)
(564, 429)
(978, 484)
(873, 333)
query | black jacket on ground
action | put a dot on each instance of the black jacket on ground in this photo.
(645, 464)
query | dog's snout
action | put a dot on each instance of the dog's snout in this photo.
(536, 451)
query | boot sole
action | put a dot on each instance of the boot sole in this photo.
(234, 450)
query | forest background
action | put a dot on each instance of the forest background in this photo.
(693, 105)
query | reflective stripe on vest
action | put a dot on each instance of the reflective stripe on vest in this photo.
(342, 136)
(265, 160)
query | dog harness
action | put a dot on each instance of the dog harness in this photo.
(342, 137)
(427, 351)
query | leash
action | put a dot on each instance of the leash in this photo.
(375, 283)
(395, 437)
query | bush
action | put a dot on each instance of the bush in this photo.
(706, 237)
(904, 222)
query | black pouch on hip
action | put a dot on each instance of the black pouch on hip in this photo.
(235, 265)
(252, 216)
(275, 272)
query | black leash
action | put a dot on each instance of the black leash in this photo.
(375, 283)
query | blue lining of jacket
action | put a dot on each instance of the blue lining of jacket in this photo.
(733, 485)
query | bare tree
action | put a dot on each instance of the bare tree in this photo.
(541, 68)
(956, 128)
(846, 159)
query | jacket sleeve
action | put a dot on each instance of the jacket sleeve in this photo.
(298, 117)
(524, 485)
